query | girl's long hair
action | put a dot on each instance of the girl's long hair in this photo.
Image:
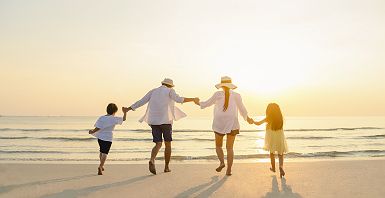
(227, 98)
(274, 117)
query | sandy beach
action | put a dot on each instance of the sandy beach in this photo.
(357, 178)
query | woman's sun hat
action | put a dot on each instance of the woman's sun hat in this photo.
(226, 82)
(168, 81)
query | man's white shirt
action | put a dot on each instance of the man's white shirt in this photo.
(161, 106)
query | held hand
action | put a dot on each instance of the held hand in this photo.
(125, 109)
(196, 101)
(90, 132)
(250, 120)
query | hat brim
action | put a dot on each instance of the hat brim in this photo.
(168, 84)
(228, 85)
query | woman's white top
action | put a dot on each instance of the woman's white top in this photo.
(161, 107)
(106, 125)
(226, 121)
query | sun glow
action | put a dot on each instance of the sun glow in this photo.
(269, 67)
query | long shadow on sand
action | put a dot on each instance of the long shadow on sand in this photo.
(72, 193)
(285, 192)
(4, 189)
(206, 189)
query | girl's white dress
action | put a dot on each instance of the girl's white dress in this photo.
(275, 141)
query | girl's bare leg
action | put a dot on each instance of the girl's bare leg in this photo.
(272, 161)
(281, 171)
(280, 160)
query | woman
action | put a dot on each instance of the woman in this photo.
(227, 104)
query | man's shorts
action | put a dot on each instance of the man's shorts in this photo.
(164, 130)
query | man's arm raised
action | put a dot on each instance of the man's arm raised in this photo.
(179, 99)
(139, 103)
(195, 100)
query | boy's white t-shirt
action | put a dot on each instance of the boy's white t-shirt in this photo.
(106, 125)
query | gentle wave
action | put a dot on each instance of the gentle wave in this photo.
(191, 130)
(374, 136)
(187, 139)
(337, 129)
(14, 138)
(30, 152)
(309, 138)
(66, 138)
(373, 153)
(330, 154)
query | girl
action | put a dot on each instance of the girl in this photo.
(274, 138)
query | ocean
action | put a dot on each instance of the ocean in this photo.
(58, 139)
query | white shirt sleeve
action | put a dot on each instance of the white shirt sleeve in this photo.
(99, 123)
(210, 101)
(142, 101)
(241, 107)
(176, 97)
(118, 120)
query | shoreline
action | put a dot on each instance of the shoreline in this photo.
(241, 161)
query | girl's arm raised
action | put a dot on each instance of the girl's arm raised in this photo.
(260, 122)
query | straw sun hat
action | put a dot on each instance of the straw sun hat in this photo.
(168, 81)
(226, 82)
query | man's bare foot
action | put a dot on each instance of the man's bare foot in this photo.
(102, 168)
(272, 170)
(220, 167)
(100, 171)
(167, 169)
(151, 167)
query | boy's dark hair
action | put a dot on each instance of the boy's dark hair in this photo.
(112, 108)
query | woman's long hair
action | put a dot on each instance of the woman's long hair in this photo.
(274, 117)
(227, 98)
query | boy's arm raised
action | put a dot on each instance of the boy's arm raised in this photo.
(124, 115)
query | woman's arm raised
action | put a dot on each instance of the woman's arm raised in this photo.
(209, 102)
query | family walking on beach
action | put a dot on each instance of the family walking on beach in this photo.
(161, 112)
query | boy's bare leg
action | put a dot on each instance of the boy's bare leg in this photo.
(103, 158)
(100, 159)
(167, 156)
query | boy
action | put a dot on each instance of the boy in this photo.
(103, 131)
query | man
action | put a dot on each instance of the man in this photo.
(160, 114)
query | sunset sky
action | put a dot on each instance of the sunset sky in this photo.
(314, 58)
